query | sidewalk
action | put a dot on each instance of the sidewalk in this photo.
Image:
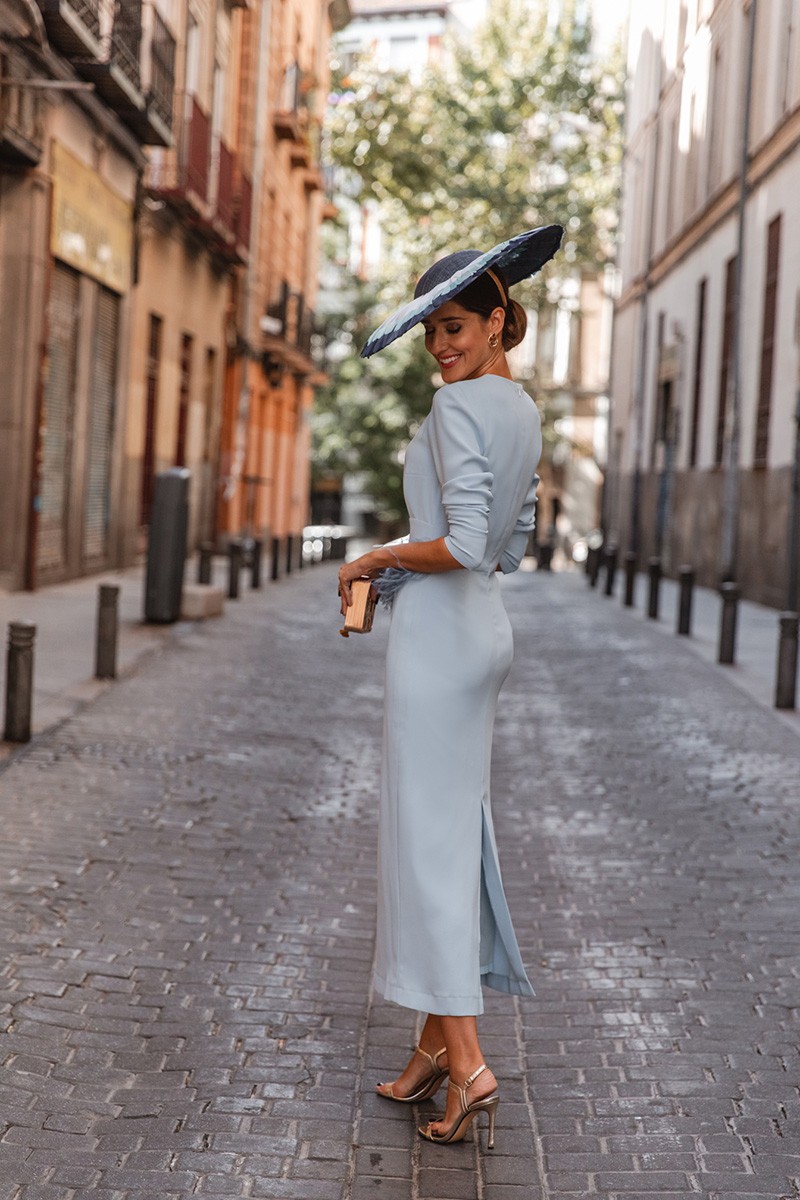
(187, 907)
(65, 616)
(756, 640)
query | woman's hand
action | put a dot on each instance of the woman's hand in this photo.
(364, 567)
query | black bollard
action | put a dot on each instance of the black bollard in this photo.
(611, 556)
(630, 577)
(204, 562)
(301, 554)
(255, 563)
(105, 658)
(19, 681)
(727, 628)
(654, 577)
(594, 565)
(276, 559)
(686, 577)
(289, 553)
(235, 553)
(786, 685)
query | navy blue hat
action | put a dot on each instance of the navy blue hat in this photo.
(518, 258)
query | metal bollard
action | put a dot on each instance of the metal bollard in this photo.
(255, 563)
(727, 629)
(301, 555)
(204, 562)
(593, 559)
(276, 559)
(686, 577)
(654, 576)
(19, 681)
(105, 658)
(630, 577)
(289, 552)
(786, 686)
(611, 556)
(235, 552)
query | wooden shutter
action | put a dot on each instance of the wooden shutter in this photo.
(151, 409)
(100, 440)
(767, 344)
(58, 420)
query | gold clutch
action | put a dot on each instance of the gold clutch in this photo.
(358, 618)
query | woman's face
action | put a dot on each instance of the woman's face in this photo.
(459, 341)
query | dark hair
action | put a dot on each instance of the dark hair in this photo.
(483, 296)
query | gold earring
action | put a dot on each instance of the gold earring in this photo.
(493, 341)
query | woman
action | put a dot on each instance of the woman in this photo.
(470, 485)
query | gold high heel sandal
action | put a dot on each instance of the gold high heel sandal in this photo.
(427, 1086)
(469, 1110)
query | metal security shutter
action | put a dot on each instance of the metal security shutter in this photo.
(101, 426)
(59, 407)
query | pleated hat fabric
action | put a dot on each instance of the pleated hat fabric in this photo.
(518, 258)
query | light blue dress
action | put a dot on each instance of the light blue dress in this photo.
(443, 921)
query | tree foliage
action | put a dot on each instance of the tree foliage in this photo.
(516, 127)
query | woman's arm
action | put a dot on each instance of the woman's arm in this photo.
(430, 558)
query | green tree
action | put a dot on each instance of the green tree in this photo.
(517, 127)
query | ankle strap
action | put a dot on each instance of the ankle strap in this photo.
(469, 1081)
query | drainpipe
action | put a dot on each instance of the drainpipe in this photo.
(731, 486)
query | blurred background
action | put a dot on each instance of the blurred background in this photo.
(207, 205)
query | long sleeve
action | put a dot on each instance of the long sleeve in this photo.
(464, 475)
(515, 546)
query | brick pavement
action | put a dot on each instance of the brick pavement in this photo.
(187, 883)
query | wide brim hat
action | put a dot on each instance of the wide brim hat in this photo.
(518, 259)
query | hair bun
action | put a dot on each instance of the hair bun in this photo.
(515, 326)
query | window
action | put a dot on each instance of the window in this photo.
(152, 370)
(659, 395)
(716, 122)
(725, 363)
(767, 344)
(697, 380)
(184, 396)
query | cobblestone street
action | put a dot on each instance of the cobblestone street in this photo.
(188, 904)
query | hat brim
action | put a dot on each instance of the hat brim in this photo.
(519, 258)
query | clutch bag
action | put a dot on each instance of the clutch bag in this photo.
(359, 614)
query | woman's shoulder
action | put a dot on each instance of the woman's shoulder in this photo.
(488, 397)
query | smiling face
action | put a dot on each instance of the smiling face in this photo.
(459, 341)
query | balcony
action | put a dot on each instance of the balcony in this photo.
(223, 221)
(127, 51)
(73, 26)
(22, 112)
(181, 176)
(291, 115)
(153, 124)
(244, 217)
(116, 71)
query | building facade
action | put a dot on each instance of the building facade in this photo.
(705, 365)
(160, 196)
(76, 106)
(270, 371)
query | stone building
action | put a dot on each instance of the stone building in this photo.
(706, 345)
(159, 199)
(79, 100)
(270, 375)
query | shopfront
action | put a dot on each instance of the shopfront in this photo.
(77, 475)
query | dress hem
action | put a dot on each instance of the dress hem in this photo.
(441, 1006)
